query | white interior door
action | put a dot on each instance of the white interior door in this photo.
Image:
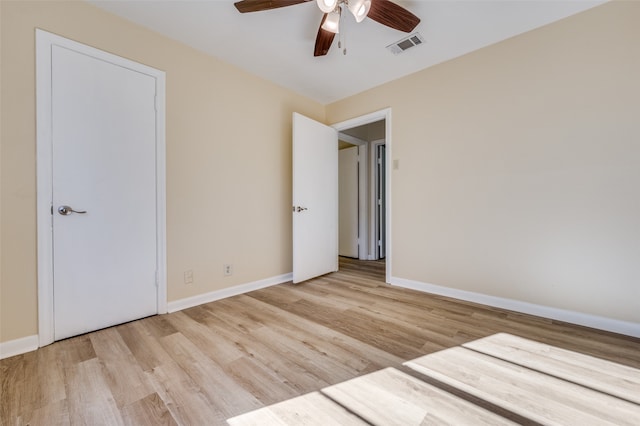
(315, 199)
(104, 164)
(348, 174)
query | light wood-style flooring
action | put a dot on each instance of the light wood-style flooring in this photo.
(206, 364)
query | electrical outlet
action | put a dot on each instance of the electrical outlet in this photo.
(188, 276)
(227, 270)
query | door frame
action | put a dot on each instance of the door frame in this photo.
(375, 221)
(383, 114)
(44, 168)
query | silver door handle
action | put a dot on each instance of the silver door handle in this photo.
(66, 210)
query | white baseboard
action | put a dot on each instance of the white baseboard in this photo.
(18, 346)
(189, 302)
(593, 321)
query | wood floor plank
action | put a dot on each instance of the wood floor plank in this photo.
(303, 355)
(36, 377)
(143, 343)
(279, 352)
(75, 350)
(313, 333)
(182, 396)
(222, 392)
(159, 326)
(531, 394)
(53, 414)
(359, 302)
(125, 378)
(390, 397)
(602, 375)
(307, 410)
(206, 339)
(90, 399)
(354, 325)
(148, 411)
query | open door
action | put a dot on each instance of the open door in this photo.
(315, 199)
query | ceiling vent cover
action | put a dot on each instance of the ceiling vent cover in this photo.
(400, 46)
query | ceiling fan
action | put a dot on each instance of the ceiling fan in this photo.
(383, 11)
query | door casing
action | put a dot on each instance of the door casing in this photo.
(44, 41)
(377, 173)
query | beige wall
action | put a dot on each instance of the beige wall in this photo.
(519, 167)
(228, 157)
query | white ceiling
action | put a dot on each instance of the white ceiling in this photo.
(278, 44)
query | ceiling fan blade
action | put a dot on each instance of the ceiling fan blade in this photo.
(245, 6)
(390, 14)
(323, 39)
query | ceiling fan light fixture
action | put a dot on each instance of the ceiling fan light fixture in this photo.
(332, 22)
(359, 9)
(327, 6)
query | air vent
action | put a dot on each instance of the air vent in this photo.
(400, 46)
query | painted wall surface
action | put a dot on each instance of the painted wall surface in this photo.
(228, 157)
(519, 166)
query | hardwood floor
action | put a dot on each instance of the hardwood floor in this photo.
(206, 364)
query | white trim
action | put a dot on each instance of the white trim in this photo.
(161, 193)
(593, 321)
(18, 346)
(373, 205)
(189, 302)
(44, 41)
(44, 171)
(383, 114)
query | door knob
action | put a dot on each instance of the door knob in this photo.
(66, 210)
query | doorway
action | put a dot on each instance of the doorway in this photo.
(101, 191)
(371, 134)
